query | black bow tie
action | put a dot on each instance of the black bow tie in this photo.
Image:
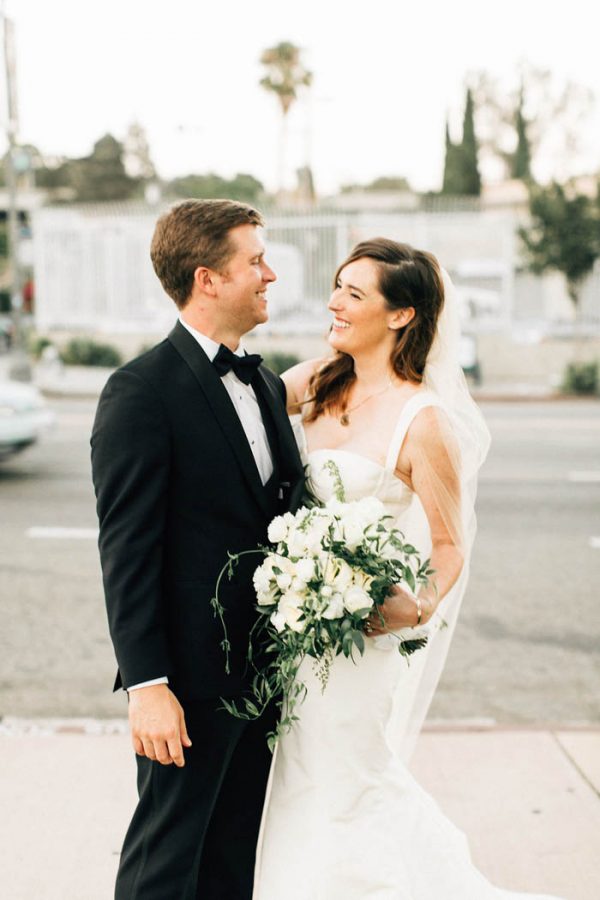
(245, 367)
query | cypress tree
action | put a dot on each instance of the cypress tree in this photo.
(520, 166)
(452, 176)
(470, 177)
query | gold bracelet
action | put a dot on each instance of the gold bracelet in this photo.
(419, 610)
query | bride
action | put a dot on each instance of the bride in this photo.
(343, 818)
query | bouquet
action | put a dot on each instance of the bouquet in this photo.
(330, 567)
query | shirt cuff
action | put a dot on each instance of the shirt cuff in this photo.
(143, 684)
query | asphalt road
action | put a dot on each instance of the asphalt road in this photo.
(527, 648)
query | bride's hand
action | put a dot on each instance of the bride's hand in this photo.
(399, 611)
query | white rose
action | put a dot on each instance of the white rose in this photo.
(370, 510)
(262, 579)
(278, 620)
(290, 608)
(354, 533)
(342, 575)
(305, 569)
(283, 581)
(362, 579)
(335, 607)
(356, 598)
(296, 542)
(277, 530)
(266, 598)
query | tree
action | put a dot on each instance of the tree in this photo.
(452, 183)
(102, 176)
(564, 235)
(553, 114)
(285, 75)
(469, 166)
(461, 167)
(242, 187)
(520, 162)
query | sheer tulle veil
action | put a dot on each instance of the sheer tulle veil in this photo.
(467, 441)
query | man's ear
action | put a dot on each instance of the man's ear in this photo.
(401, 317)
(205, 280)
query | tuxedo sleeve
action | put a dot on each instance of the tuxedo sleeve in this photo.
(130, 467)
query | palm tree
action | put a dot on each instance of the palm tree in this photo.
(285, 75)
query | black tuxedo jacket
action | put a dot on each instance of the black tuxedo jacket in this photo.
(177, 487)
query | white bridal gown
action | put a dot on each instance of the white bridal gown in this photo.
(344, 819)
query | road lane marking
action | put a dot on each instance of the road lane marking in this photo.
(595, 543)
(585, 477)
(62, 534)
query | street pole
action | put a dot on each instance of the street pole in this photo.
(20, 369)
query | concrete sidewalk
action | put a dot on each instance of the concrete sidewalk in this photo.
(529, 802)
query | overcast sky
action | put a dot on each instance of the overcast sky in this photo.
(385, 74)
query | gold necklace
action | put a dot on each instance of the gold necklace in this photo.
(345, 417)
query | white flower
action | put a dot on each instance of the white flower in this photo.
(284, 581)
(361, 578)
(305, 569)
(278, 620)
(290, 608)
(342, 575)
(354, 531)
(266, 598)
(356, 598)
(335, 607)
(370, 510)
(277, 530)
(263, 578)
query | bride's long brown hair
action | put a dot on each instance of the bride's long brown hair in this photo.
(406, 277)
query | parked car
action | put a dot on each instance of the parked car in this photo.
(24, 416)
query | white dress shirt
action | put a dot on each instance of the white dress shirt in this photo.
(248, 410)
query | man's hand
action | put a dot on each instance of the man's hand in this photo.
(157, 723)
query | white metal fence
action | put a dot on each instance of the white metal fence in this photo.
(93, 271)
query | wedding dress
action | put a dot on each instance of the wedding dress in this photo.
(344, 819)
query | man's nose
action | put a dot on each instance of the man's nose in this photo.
(268, 273)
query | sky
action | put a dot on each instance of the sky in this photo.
(385, 76)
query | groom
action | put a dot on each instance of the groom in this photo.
(192, 456)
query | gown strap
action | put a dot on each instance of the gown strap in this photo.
(417, 402)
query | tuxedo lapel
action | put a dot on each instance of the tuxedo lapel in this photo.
(222, 407)
(292, 471)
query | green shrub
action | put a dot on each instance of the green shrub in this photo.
(279, 362)
(86, 352)
(582, 378)
(37, 345)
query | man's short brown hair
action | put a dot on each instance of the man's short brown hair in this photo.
(195, 233)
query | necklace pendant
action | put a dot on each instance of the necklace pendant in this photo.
(344, 419)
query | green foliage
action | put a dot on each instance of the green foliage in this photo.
(37, 345)
(520, 162)
(582, 378)
(280, 362)
(96, 178)
(242, 187)
(564, 235)
(87, 352)
(471, 179)
(461, 168)
(3, 241)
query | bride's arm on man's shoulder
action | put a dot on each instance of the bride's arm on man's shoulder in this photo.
(296, 382)
(432, 455)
